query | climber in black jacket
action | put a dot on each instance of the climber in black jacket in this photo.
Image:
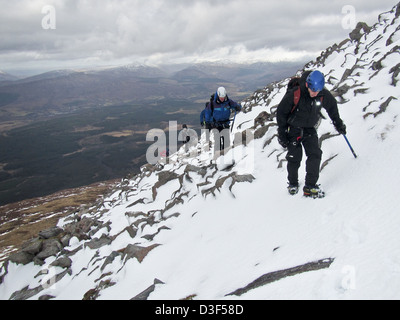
(296, 128)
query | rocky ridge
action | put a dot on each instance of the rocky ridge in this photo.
(102, 241)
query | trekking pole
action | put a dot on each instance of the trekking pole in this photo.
(233, 122)
(351, 148)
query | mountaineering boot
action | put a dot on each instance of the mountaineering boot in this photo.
(293, 189)
(313, 192)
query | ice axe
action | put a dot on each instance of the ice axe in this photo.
(351, 148)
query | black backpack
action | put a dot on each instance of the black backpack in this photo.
(210, 104)
(294, 83)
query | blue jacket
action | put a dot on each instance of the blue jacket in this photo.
(207, 115)
(222, 110)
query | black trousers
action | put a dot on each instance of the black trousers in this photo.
(224, 136)
(306, 138)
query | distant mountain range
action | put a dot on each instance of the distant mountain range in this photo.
(4, 76)
(69, 128)
(65, 91)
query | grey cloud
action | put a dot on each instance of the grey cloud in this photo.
(122, 30)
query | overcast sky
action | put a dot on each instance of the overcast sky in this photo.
(58, 34)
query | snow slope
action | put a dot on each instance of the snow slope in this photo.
(210, 229)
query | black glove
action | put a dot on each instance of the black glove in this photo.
(282, 138)
(340, 127)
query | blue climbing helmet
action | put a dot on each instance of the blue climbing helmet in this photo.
(316, 81)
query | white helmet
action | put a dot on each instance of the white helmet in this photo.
(221, 92)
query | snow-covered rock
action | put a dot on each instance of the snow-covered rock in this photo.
(205, 229)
